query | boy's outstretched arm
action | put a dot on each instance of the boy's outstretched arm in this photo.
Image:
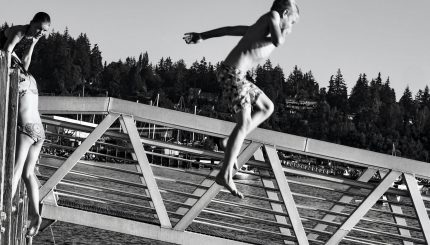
(194, 37)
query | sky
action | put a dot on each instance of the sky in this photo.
(367, 36)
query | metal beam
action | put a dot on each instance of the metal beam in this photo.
(73, 105)
(147, 173)
(138, 168)
(258, 155)
(76, 155)
(287, 196)
(418, 202)
(369, 158)
(214, 190)
(365, 177)
(359, 213)
(131, 227)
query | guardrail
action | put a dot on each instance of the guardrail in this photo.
(283, 204)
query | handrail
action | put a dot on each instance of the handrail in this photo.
(215, 127)
(183, 196)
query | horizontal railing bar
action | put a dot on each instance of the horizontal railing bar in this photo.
(99, 188)
(250, 207)
(82, 139)
(225, 191)
(94, 164)
(350, 193)
(246, 228)
(364, 230)
(365, 219)
(382, 222)
(391, 235)
(83, 198)
(234, 216)
(338, 180)
(91, 152)
(104, 200)
(95, 176)
(364, 241)
(243, 217)
(220, 226)
(205, 175)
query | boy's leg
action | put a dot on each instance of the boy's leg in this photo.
(234, 143)
(263, 108)
(32, 186)
(23, 145)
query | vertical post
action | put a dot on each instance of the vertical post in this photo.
(9, 162)
(4, 92)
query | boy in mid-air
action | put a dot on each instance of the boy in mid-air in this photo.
(250, 105)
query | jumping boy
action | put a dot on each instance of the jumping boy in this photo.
(249, 104)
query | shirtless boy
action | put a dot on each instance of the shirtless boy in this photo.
(249, 104)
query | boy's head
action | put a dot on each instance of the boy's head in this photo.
(286, 8)
(41, 17)
(40, 24)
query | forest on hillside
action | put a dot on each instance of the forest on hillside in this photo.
(371, 117)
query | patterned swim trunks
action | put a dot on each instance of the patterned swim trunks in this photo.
(33, 130)
(237, 92)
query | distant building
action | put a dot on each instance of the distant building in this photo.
(302, 105)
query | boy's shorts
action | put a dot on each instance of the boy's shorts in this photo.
(237, 92)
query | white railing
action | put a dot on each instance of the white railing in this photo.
(341, 220)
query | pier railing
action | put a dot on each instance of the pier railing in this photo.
(13, 210)
(95, 175)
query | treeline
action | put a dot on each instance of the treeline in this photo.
(370, 117)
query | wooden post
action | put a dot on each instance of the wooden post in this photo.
(8, 119)
(10, 157)
(4, 92)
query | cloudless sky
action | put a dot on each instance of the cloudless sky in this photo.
(366, 36)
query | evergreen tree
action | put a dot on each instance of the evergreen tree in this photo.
(337, 95)
(360, 98)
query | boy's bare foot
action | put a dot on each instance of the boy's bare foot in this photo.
(229, 185)
(34, 226)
